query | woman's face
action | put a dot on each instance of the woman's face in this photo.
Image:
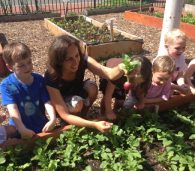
(72, 60)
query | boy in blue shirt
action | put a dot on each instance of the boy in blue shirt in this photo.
(25, 94)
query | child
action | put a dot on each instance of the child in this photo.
(6, 131)
(69, 93)
(140, 79)
(175, 43)
(160, 88)
(3, 69)
(190, 76)
(25, 94)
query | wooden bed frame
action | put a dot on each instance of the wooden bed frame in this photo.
(29, 142)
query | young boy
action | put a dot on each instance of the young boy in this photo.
(175, 43)
(160, 89)
(25, 94)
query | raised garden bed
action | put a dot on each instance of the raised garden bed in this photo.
(33, 16)
(156, 22)
(96, 11)
(55, 133)
(95, 36)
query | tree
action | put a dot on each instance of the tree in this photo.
(171, 20)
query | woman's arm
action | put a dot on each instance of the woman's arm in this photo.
(62, 110)
(15, 115)
(103, 71)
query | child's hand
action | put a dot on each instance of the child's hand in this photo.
(26, 133)
(185, 89)
(103, 126)
(2, 118)
(49, 126)
(139, 106)
(111, 116)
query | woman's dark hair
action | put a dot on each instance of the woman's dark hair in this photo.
(146, 73)
(58, 53)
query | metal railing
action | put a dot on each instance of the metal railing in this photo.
(14, 7)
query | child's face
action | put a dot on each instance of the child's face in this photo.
(160, 78)
(23, 68)
(72, 60)
(176, 48)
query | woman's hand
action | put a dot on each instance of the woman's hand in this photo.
(185, 89)
(103, 126)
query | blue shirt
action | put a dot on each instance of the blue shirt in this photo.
(29, 99)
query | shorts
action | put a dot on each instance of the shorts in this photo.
(3, 134)
(119, 93)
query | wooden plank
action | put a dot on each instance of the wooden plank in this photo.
(113, 48)
(30, 142)
(176, 101)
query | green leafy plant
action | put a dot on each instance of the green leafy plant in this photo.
(189, 18)
(127, 146)
(128, 64)
(158, 14)
(86, 31)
